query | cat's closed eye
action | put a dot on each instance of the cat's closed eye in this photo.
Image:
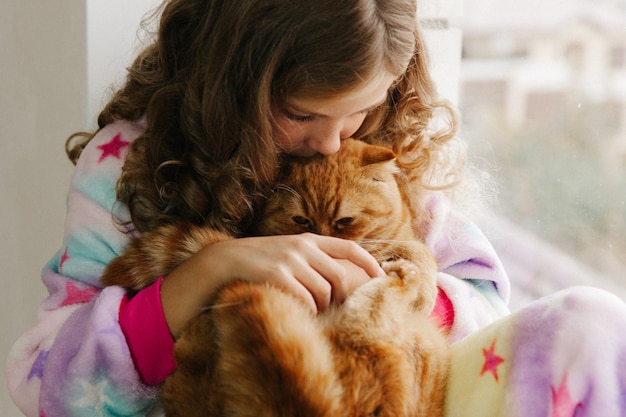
(301, 221)
(345, 221)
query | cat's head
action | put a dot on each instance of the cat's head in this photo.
(352, 194)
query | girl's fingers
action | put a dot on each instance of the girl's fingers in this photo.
(299, 264)
(300, 291)
(341, 271)
(319, 289)
(334, 273)
(329, 268)
(350, 251)
(317, 269)
(298, 277)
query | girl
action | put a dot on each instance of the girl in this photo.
(195, 134)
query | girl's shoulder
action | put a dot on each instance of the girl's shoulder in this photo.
(100, 164)
(111, 143)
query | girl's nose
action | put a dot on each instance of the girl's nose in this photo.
(328, 140)
(327, 145)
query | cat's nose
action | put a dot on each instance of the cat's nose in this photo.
(323, 229)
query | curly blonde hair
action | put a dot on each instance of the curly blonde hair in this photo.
(207, 82)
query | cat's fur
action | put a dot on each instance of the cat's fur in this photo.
(257, 351)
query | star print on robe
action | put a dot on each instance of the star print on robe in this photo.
(93, 399)
(113, 147)
(64, 258)
(492, 361)
(562, 403)
(77, 295)
(37, 369)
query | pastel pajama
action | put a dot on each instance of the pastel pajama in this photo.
(561, 356)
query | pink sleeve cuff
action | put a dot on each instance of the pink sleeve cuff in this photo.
(443, 312)
(149, 340)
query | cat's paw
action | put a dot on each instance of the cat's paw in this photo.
(401, 268)
(422, 281)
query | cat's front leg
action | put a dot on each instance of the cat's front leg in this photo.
(156, 253)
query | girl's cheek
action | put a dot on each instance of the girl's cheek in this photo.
(287, 135)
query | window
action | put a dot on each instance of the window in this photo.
(552, 127)
(618, 57)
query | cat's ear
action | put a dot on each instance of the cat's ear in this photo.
(373, 154)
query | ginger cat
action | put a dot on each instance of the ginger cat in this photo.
(257, 351)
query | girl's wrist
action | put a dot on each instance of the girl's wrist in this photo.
(186, 291)
(147, 334)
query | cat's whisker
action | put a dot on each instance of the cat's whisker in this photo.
(289, 190)
(368, 240)
(222, 305)
(396, 220)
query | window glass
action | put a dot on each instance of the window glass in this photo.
(543, 98)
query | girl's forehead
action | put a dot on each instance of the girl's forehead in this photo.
(367, 95)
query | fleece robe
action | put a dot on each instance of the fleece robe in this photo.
(88, 350)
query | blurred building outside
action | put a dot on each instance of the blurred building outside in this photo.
(543, 99)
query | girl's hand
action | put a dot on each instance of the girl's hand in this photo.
(320, 270)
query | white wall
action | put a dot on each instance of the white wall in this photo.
(58, 60)
(444, 43)
(113, 38)
(42, 101)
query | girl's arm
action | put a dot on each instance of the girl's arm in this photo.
(320, 270)
(75, 360)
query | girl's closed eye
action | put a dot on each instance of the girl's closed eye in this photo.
(299, 117)
(310, 117)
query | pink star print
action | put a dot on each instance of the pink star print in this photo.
(562, 403)
(113, 147)
(64, 258)
(492, 361)
(77, 295)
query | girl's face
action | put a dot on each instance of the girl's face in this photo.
(305, 127)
